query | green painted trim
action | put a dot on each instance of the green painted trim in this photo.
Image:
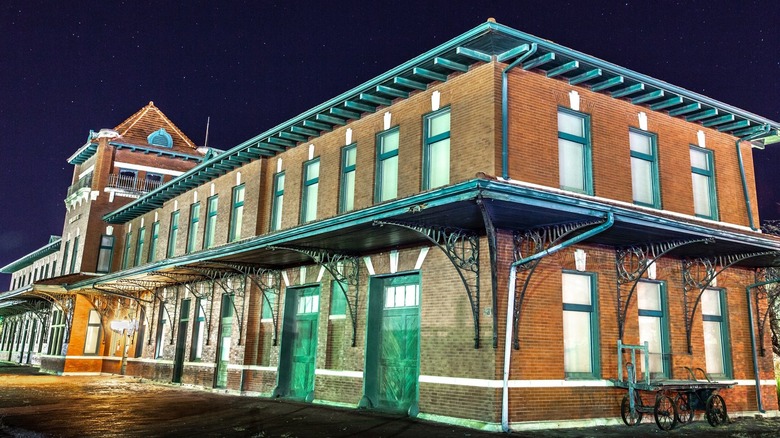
(32, 257)
(210, 228)
(155, 234)
(587, 159)
(139, 247)
(331, 119)
(653, 95)
(653, 159)
(408, 83)
(588, 75)
(390, 91)
(359, 106)
(712, 186)
(429, 74)
(452, 65)
(380, 158)
(236, 211)
(513, 53)
(609, 83)
(732, 126)
(341, 112)
(473, 54)
(631, 89)
(702, 115)
(193, 229)
(676, 100)
(663, 314)
(539, 61)
(126, 253)
(306, 215)
(563, 68)
(347, 168)
(696, 106)
(595, 336)
(277, 202)
(173, 234)
(718, 120)
(428, 141)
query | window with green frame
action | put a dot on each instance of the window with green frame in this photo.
(705, 200)
(139, 247)
(436, 149)
(277, 202)
(269, 300)
(192, 232)
(74, 255)
(347, 190)
(198, 332)
(64, 265)
(654, 327)
(162, 322)
(338, 301)
(126, 253)
(92, 338)
(645, 185)
(580, 326)
(574, 151)
(56, 332)
(236, 214)
(153, 243)
(311, 185)
(717, 348)
(211, 221)
(387, 165)
(105, 254)
(174, 233)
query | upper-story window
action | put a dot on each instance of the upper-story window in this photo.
(192, 233)
(211, 221)
(65, 258)
(705, 201)
(347, 190)
(160, 137)
(574, 154)
(311, 184)
(717, 351)
(139, 248)
(152, 181)
(387, 165)
(174, 233)
(74, 255)
(126, 254)
(654, 326)
(153, 242)
(580, 326)
(105, 254)
(436, 149)
(644, 169)
(236, 214)
(277, 202)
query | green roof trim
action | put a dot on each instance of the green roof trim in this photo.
(483, 43)
(52, 247)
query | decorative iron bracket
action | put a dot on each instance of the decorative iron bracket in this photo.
(632, 262)
(462, 248)
(225, 279)
(770, 277)
(697, 277)
(529, 242)
(343, 268)
(66, 303)
(492, 239)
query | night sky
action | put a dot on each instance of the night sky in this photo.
(252, 65)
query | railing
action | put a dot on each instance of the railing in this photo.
(80, 184)
(132, 183)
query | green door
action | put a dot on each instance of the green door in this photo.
(393, 350)
(181, 341)
(299, 344)
(223, 352)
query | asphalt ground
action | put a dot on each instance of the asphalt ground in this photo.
(41, 405)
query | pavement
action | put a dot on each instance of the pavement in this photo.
(34, 405)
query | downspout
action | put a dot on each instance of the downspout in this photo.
(753, 343)
(505, 110)
(511, 306)
(764, 129)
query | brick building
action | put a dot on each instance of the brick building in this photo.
(469, 231)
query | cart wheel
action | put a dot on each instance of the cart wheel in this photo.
(625, 410)
(683, 404)
(716, 410)
(665, 413)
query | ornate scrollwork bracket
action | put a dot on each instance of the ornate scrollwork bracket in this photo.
(766, 300)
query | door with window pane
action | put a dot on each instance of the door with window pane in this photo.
(225, 332)
(181, 341)
(299, 343)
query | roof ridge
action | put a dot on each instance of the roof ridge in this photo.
(140, 114)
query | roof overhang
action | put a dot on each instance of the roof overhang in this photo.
(30, 258)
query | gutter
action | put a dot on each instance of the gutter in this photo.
(505, 109)
(753, 341)
(764, 129)
(511, 305)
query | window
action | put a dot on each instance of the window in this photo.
(436, 149)
(45, 271)
(644, 169)
(347, 190)
(387, 165)
(174, 234)
(580, 326)
(705, 202)
(192, 233)
(153, 180)
(56, 332)
(269, 300)
(162, 320)
(311, 184)
(236, 214)
(338, 301)
(211, 221)
(308, 302)
(35, 274)
(105, 254)
(126, 254)
(717, 352)
(92, 339)
(196, 353)
(153, 243)
(574, 155)
(65, 258)
(654, 327)
(407, 295)
(74, 255)
(139, 248)
(53, 267)
(278, 202)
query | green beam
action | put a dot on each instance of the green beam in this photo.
(473, 54)
(304, 131)
(676, 100)
(408, 83)
(648, 97)
(747, 131)
(351, 104)
(563, 68)
(513, 53)
(702, 115)
(373, 98)
(292, 136)
(628, 90)
(316, 125)
(390, 91)
(341, 112)
(452, 65)
(281, 141)
(718, 120)
(258, 151)
(685, 109)
(274, 147)
(429, 74)
(330, 119)
(609, 83)
(736, 125)
(539, 61)
(588, 75)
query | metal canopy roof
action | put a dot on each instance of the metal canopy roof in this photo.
(484, 43)
(511, 206)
